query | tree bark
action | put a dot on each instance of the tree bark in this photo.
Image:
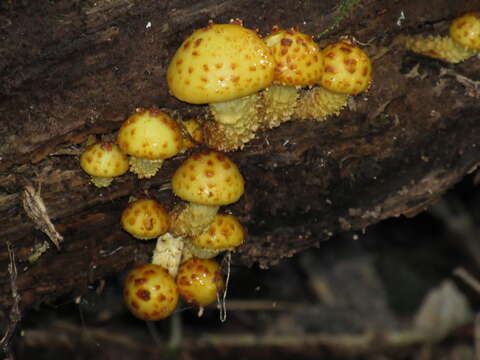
(73, 68)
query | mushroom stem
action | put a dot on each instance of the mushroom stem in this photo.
(101, 181)
(443, 48)
(192, 219)
(234, 123)
(168, 252)
(318, 103)
(279, 105)
(144, 168)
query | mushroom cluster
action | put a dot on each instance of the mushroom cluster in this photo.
(252, 83)
(192, 233)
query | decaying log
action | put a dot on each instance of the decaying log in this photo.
(69, 69)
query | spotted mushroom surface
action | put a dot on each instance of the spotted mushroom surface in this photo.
(220, 62)
(199, 281)
(225, 232)
(466, 30)
(150, 134)
(347, 68)
(145, 219)
(208, 178)
(299, 60)
(104, 159)
(150, 293)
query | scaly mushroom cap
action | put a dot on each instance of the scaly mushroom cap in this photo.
(145, 219)
(150, 134)
(299, 60)
(347, 69)
(466, 30)
(199, 281)
(220, 62)
(104, 159)
(208, 178)
(225, 232)
(150, 293)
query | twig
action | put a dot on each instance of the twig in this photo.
(463, 274)
(36, 210)
(15, 315)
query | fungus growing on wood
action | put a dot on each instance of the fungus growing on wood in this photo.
(145, 219)
(347, 71)
(223, 65)
(199, 282)
(225, 233)
(298, 63)
(150, 292)
(207, 180)
(149, 136)
(103, 161)
(462, 44)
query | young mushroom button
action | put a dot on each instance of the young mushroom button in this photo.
(150, 292)
(145, 219)
(103, 161)
(347, 71)
(299, 63)
(149, 136)
(207, 180)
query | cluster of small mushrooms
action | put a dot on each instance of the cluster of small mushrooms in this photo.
(249, 83)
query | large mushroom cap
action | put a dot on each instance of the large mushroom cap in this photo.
(347, 68)
(466, 30)
(104, 159)
(150, 134)
(299, 60)
(220, 62)
(208, 178)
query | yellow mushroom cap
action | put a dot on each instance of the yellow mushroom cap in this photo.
(150, 293)
(208, 178)
(104, 159)
(466, 30)
(199, 281)
(347, 69)
(220, 62)
(299, 60)
(145, 219)
(225, 232)
(150, 134)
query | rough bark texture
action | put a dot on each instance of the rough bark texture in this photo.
(73, 68)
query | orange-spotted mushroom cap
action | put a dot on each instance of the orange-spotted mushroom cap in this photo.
(145, 219)
(208, 178)
(466, 30)
(224, 233)
(218, 63)
(299, 60)
(104, 160)
(199, 281)
(150, 134)
(150, 293)
(347, 68)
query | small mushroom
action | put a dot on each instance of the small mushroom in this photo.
(207, 180)
(145, 219)
(149, 136)
(150, 292)
(199, 282)
(298, 63)
(347, 71)
(103, 161)
(223, 65)
(462, 44)
(225, 233)
(195, 133)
